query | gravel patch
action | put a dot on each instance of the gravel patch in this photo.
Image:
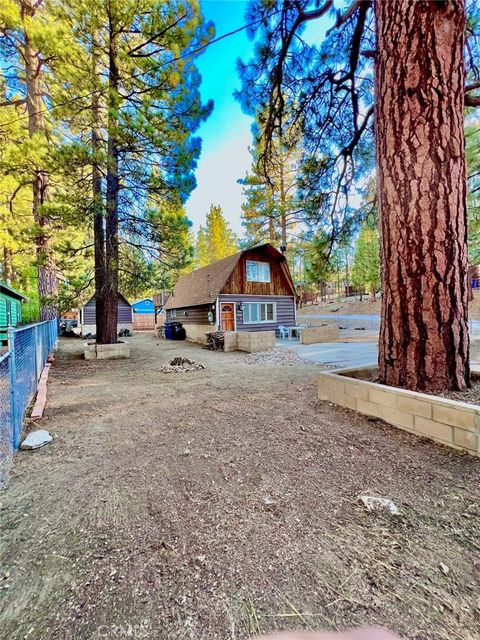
(279, 355)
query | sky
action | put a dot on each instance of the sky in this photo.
(226, 134)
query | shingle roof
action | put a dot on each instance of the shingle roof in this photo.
(119, 295)
(203, 285)
(8, 289)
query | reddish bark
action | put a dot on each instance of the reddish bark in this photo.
(108, 327)
(419, 110)
(46, 267)
(97, 196)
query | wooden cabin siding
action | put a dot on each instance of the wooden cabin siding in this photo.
(124, 312)
(237, 282)
(195, 315)
(285, 306)
(15, 310)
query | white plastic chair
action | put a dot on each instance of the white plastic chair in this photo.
(283, 331)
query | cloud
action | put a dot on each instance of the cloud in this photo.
(221, 164)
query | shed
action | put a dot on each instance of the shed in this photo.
(143, 314)
(251, 290)
(87, 319)
(10, 308)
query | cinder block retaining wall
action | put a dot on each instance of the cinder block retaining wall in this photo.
(117, 351)
(254, 341)
(456, 424)
(312, 335)
(230, 341)
(250, 341)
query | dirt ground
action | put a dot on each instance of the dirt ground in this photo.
(366, 306)
(222, 503)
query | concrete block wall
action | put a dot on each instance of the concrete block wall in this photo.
(118, 351)
(255, 341)
(456, 424)
(230, 341)
(312, 335)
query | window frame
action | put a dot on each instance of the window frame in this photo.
(259, 313)
(257, 279)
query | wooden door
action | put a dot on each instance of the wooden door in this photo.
(228, 319)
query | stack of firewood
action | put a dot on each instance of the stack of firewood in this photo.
(215, 341)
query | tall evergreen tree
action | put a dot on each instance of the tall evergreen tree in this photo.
(138, 132)
(417, 68)
(366, 260)
(216, 240)
(31, 40)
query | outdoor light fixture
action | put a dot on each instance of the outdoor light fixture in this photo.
(241, 307)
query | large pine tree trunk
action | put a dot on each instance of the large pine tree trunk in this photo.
(7, 265)
(419, 115)
(97, 196)
(46, 267)
(108, 327)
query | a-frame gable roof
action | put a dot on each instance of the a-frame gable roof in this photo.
(202, 286)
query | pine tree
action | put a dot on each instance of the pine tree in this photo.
(138, 131)
(419, 66)
(31, 40)
(216, 240)
(366, 260)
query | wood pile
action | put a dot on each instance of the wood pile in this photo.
(215, 341)
(182, 365)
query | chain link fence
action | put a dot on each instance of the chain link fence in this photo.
(20, 370)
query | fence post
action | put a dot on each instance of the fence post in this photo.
(35, 337)
(13, 381)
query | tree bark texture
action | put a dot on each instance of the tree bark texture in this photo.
(110, 293)
(97, 198)
(46, 267)
(7, 265)
(419, 112)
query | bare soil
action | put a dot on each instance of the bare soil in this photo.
(223, 502)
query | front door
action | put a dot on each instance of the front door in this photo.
(228, 320)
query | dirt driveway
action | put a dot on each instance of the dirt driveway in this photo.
(222, 503)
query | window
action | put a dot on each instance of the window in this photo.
(259, 312)
(258, 271)
(174, 313)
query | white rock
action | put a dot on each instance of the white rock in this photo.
(374, 503)
(36, 439)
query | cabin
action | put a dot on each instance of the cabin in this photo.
(143, 314)
(87, 320)
(10, 308)
(251, 290)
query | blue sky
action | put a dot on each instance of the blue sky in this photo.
(226, 135)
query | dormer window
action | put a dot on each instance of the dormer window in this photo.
(257, 271)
